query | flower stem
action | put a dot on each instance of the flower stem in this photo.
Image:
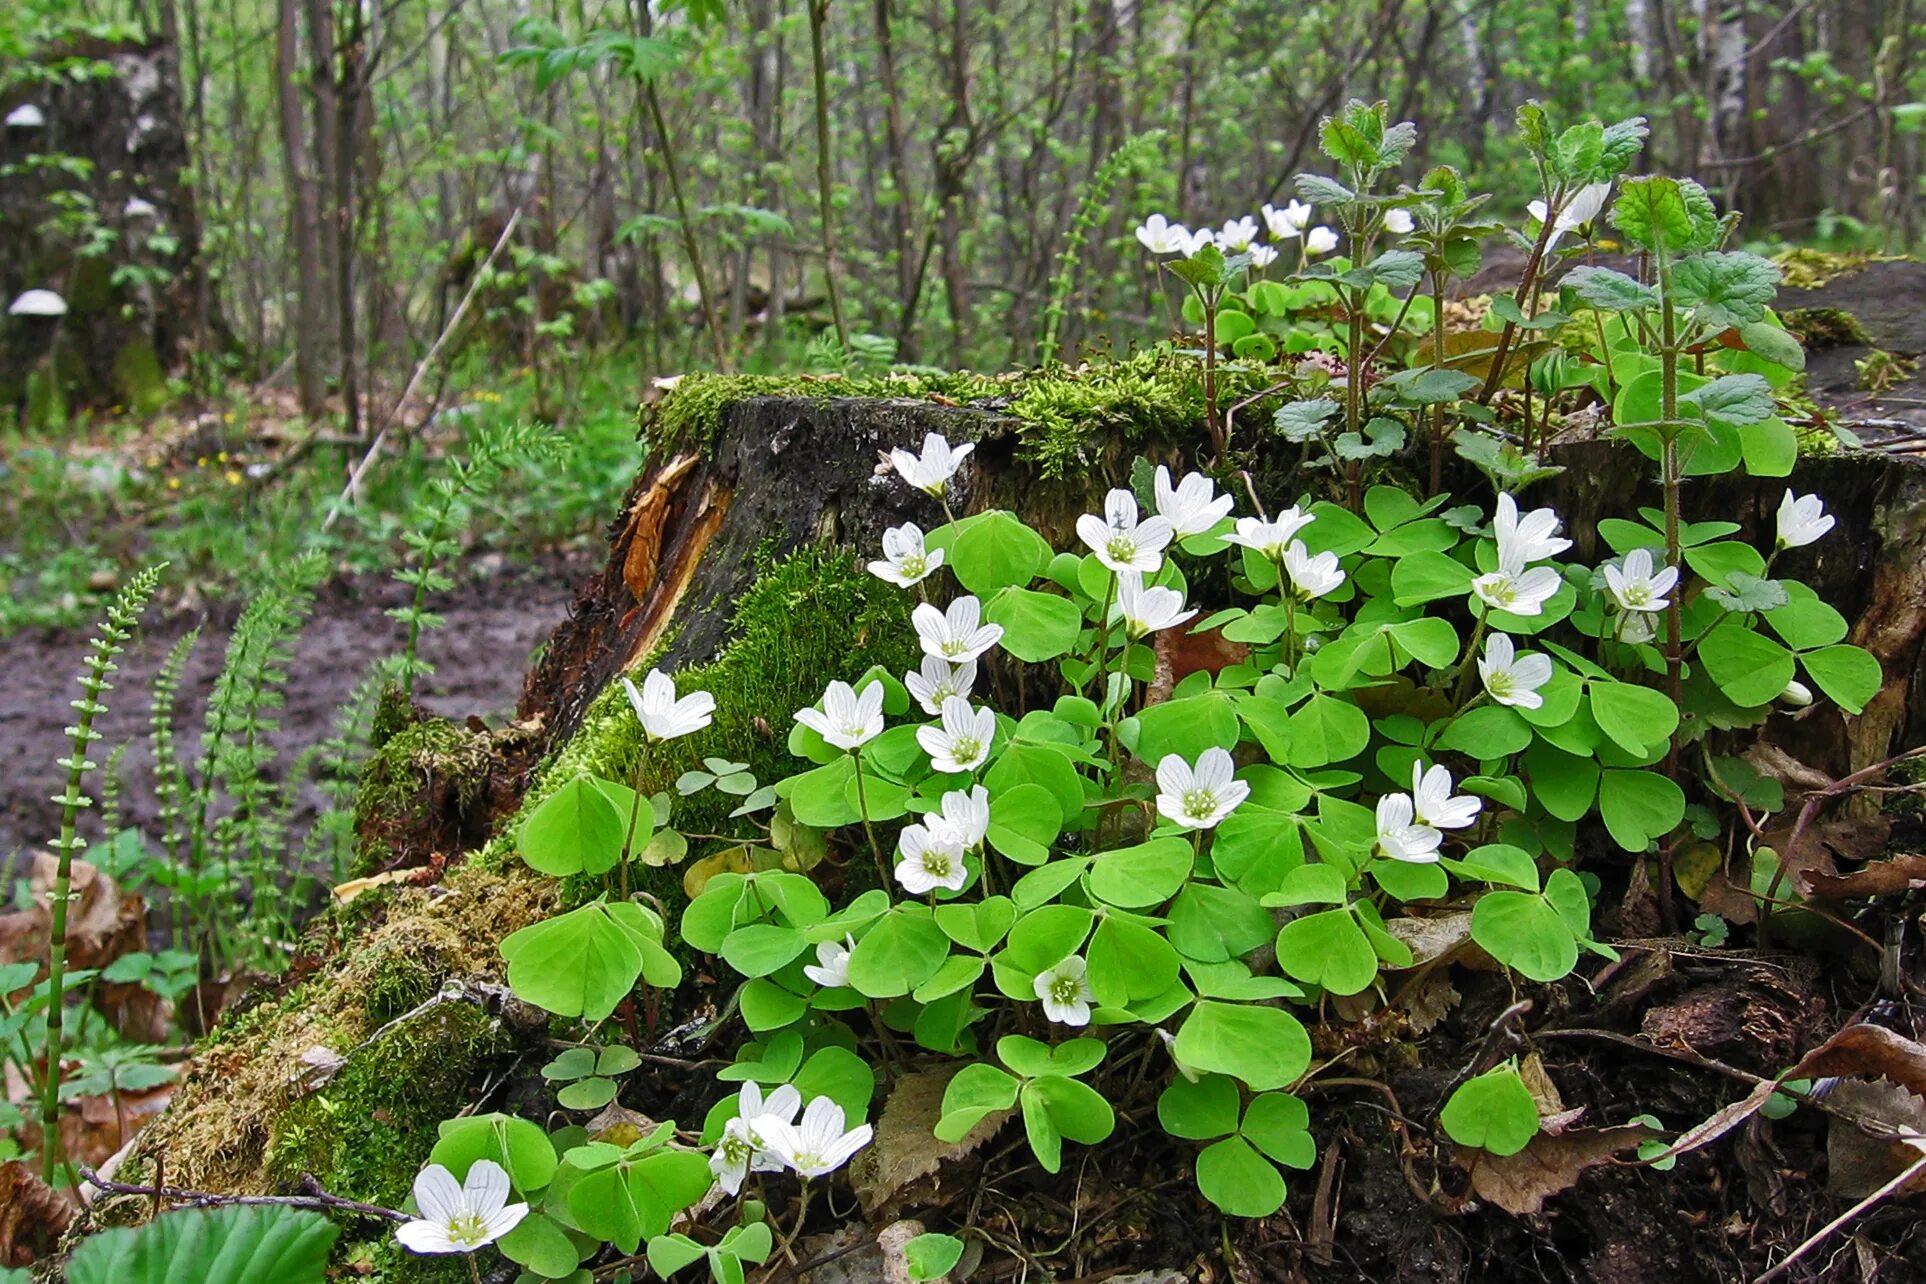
(1462, 685)
(862, 805)
(635, 813)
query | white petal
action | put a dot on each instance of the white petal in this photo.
(426, 1237)
(437, 1194)
(486, 1190)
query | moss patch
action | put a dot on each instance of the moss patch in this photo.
(1825, 327)
(1807, 269)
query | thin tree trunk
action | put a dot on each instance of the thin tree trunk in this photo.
(818, 15)
(305, 203)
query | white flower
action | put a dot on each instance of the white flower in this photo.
(1146, 610)
(818, 1145)
(940, 680)
(460, 1219)
(1797, 694)
(1237, 235)
(1531, 538)
(1066, 993)
(958, 634)
(1169, 1041)
(38, 303)
(932, 470)
(962, 742)
(1320, 240)
(905, 560)
(966, 816)
(1635, 627)
(1433, 803)
(26, 116)
(1192, 506)
(1579, 211)
(139, 208)
(1262, 256)
(1271, 537)
(1312, 577)
(1289, 222)
(1161, 236)
(1198, 240)
(1636, 587)
(1201, 796)
(1802, 519)
(1513, 679)
(744, 1145)
(831, 968)
(932, 857)
(1398, 222)
(1512, 588)
(848, 719)
(1400, 837)
(1120, 541)
(663, 716)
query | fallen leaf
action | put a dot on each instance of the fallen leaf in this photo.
(1859, 1162)
(906, 1150)
(1432, 938)
(1432, 1002)
(1868, 1052)
(33, 1216)
(1904, 872)
(1552, 1163)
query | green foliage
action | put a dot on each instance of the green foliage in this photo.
(210, 1246)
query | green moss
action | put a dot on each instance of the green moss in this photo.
(1806, 269)
(1825, 327)
(412, 775)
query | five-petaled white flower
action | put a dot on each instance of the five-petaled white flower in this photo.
(1636, 586)
(849, 719)
(1579, 211)
(460, 1218)
(957, 634)
(1311, 577)
(1289, 222)
(962, 741)
(744, 1147)
(1262, 256)
(818, 1144)
(966, 815)
(1271, 537)
(932, 857)
(831, 968)
(1400, 837)
(1146, 610)
(931, 471)
(1320, 240)
(1398, 222)
(1119, 540)
(1433, 803)
(1512, 588)
(663, 716)
(1198, 240)
(940, 680)
(1802, 519)
(1531, 538)
(1161, 236)
(1237, 234)
(905, 559)
(1635, 627)
(1513, 678)
(1066, 993)
(1192, 506)
(1201, 796)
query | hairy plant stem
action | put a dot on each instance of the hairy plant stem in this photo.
(1437, 363)
(635, 812)
(862, 805)
(1461, 688)
(1527, 287)
(1674, 616)
(1211, 422)
(1102, 641)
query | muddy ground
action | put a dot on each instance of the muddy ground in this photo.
(495, 620)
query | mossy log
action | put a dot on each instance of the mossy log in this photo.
(737, 561)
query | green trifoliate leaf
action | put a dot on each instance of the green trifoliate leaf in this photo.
(1727, 289)
(1742, 592)
(1381, 439)
(1731, 401)
(1658, 213)
(1302, 420)
(1610, 291)
(1494, 1112)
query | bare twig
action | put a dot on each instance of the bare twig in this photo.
(316, 1198)
(1817, 1237)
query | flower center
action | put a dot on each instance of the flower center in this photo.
(964, 748)
(468, 1228)
(1065, 989)
(1499, 684)
(943, 691)
(1121, 547)
(953, 648)
(1199, 803)
(1636, 595)
(937, 864)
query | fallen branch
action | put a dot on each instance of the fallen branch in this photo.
(1817, 1237)
(316, 1198)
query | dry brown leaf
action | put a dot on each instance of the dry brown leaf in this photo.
(1857, 1162)
(1539, 1083)
(1868, 1052)
(33, 1216)
(103, 923)
(906, 1150)
(1521, 1183)
(1431, 938)
(1903, 873)
(1432, 1003)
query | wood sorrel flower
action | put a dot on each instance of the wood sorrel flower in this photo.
(1311, 577)
(1531, 538)
(1512, 588)
(931, 471)
(1400, 837)
(663, 716)
(1192, 506)
(1119, 540)
(1287, 223)
(831, 968)
(961, 742)
(1636, 586)
(966, 815)
(1433, 803)
(848, 719)
(818, 1144)
(1237, 234)
(905, 559)
(744, 1146)
(1161, 236)
(932, 857)
(1270, 537)
(1066, 993)
(940, 680)
(1580, 211)
(1320, 240)
(1201, 796)
(460, 1218)
(1146, 610)
(1802, 519)
(957, 634)
(1513, 678)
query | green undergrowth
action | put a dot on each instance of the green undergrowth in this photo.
(1061, 410)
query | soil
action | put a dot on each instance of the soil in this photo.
(495, 621)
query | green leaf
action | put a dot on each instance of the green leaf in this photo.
(1241, 1182)
(519, 1146)
(1750, 668)
(1849, 675)
(1494, 1112)
(1639, 807)
(1129, 962)
(901, 951)
(1215, 924)
(976, 1091)
(1186, 727)
(1265, 1047)
(586, 1094)
(1202, 1110)
(1635, 717)
(542, 1246)
(996, 551)
(932, 1256)
(1304, 420)
(1142, 876)
(1610, 291)
(1728, 289)
(1487, 732)
(1498, 863)
(1327, 730)
(977, 925)
(1036, 626)
(1658, 213)
(1524, 932)
(1731, 401)
(1742, 593)
(1427, 577)
(576, 830)
(234, 1245)
(671, 1253)
(1280, 1125)
(757, 949)
(581, 963)
(1328, 949)
(1035, 764)
(1770, 341)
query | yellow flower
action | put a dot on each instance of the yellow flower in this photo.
(173, 483)
(233, 477)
